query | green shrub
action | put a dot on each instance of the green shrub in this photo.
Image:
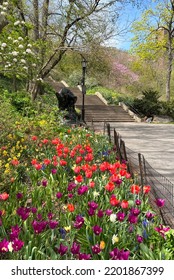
(149, 104)
(110, 95)
(167, 108)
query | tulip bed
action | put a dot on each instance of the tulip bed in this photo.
(65, 195)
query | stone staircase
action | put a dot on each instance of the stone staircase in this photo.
(95, 109)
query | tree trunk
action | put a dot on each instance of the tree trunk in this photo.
(14, 84)
(36, 19)
(44, 27)
(37, 88)
(169, 72)
(3, 21)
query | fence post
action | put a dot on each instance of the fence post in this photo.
(104, 129)
(109, 131)
(116, 142)
(145, 174)
(92, 124)
(141, 169)
(126, 158)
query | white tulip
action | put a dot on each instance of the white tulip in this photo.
(3, 45)
(113, 218)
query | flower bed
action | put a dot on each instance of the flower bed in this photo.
(68, 197)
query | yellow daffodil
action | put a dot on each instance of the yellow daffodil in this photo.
(4, 153)
(115, 239)
(7, 165)
(7, 171)
(102, 245)
(10, 136)
(95, 194)
(67, 228)
(10, 247)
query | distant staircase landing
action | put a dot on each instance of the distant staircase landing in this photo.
(95, 109)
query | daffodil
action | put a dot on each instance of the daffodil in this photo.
(95, 194)
(7, 165)
(7, 171)
(4, 153)
(10, 247)
(115, 239)
(68, 228)
(102, 245)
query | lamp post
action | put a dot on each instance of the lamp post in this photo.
(83, 88)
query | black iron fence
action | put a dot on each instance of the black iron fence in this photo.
(145, 174)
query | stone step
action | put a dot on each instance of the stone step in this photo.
(95, 109)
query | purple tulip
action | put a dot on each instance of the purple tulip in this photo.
(23, 212)
(4, 246)
(50, 216)
(59, 195)
(139, 238)
(96, 229)
(117, 254)
(91, 212)
(62, 249)
(93, 205)
(17, 245)
(44, 182)
(138, 202)
(15, 230)
(120, 216)
(19, 195)
(39, 216)
(82, 190)
(83, 256)
(149, 215)
(100, 213)
(71, 186)
(33, 210)
(109, 212)
(132, 219)
(160, 202)
(79, 221)
(53, 224)
(75, 249)
(118, 182)
(162, 230)
(39, 226)
(135, 211)
(96, 249)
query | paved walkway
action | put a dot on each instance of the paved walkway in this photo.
(154, 141)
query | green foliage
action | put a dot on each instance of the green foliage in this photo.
(148, 105)
(167, 108)
(75, 78)
(5, 83)
(20, 100)
(110, 95)
(169, 244)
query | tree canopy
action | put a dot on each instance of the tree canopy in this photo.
(153, 37)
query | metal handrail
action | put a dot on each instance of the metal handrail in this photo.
(135, 111)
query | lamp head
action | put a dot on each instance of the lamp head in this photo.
(84, 62)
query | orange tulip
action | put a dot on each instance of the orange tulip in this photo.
(71, 207)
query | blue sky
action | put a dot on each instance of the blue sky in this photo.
(128, 15)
